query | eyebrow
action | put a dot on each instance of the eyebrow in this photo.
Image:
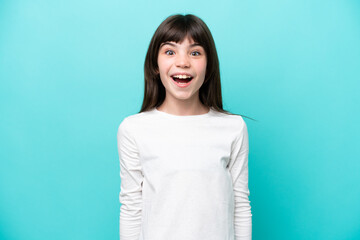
(172, 44)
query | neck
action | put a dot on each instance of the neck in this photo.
(183, 107)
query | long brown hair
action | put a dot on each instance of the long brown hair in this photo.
(176, 28)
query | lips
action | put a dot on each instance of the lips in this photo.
(182, 83)
(182, 73)
(180, 80)
(182, 77)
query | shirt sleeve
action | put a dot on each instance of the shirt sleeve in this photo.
(131, 179)
(238, 168)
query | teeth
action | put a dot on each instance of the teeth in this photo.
(182, 76)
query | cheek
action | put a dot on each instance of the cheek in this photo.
(163, 65)
(201, 66)
(160, 63)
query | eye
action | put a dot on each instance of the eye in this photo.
(196, 53)
(170, 52)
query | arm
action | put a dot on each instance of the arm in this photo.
(238, 167)
(131, 185)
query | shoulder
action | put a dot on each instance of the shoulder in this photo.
(234, 121)
(131, 122)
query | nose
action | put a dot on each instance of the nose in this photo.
(182, 60)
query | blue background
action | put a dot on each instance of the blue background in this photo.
(70, 71)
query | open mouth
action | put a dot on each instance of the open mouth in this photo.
(182, 80)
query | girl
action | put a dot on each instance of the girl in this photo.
(183, 159)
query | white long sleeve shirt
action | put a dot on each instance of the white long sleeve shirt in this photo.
(184, 177)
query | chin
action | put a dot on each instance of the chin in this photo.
(181, 96)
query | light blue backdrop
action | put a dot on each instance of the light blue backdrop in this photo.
(70, 71)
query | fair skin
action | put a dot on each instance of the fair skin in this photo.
(188, 58)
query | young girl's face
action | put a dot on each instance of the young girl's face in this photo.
(182, 60)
